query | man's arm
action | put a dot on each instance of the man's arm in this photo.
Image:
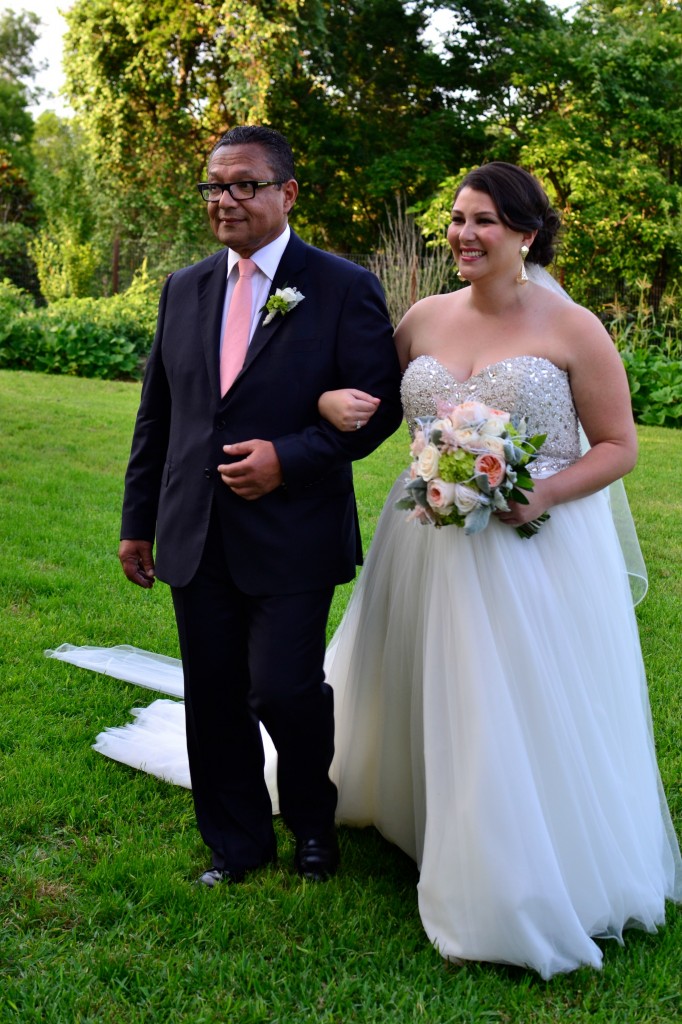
(366, 360)
(145, 466)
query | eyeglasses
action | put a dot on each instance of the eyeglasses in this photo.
(211, 191)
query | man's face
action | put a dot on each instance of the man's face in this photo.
(248, 225)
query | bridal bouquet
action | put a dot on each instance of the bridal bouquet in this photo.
(468, 461)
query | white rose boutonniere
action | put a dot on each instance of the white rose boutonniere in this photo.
(282, 301)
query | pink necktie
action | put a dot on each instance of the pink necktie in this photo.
(237, 327)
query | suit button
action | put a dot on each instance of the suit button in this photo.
(208, 473)
(220, 424)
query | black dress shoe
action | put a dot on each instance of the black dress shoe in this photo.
(317, 858)
(215, 876)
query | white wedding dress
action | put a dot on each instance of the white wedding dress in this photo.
(492, 716)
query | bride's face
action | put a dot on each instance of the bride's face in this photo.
(482, 244)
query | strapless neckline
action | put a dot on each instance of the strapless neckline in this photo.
(486, 369)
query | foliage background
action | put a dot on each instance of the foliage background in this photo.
(380, 109)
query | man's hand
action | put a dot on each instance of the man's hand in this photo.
(138, 562)
(256, 474)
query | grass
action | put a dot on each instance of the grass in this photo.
(99, 920)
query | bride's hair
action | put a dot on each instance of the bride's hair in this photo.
(521, 204)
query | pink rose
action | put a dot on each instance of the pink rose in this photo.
(440, 495)
(469, 414)
(492, 466)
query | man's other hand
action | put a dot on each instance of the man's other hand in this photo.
(138, 562)
(256, 473)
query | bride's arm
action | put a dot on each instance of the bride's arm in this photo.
(602, 399)
(347, 408)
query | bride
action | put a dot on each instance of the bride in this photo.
(492, 716)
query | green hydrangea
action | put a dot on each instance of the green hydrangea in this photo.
(456, 467)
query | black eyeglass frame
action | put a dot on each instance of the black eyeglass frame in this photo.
(223, 186)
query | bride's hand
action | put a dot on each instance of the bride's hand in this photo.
(347, 408)
(537, 504)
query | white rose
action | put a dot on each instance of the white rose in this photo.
(290, 295)
(466, 498)
(493, 445)
(494, 426)
(428, 462)
(466, 437)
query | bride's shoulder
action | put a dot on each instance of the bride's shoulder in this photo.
(581, 340)
(432, 307)
(419, 322)
(431, 303)
(573, 317)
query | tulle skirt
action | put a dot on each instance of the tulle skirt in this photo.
(492, 720)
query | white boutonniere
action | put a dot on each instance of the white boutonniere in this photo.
(282, 301)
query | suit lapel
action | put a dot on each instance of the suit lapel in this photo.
(211, 292)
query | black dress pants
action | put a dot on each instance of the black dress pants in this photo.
(248, 659)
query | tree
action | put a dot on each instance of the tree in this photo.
(369, 113)
(18, 207)
(592, 106)
(352, 83)
(156, 83)
(69, 248)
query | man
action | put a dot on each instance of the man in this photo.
(249, 494)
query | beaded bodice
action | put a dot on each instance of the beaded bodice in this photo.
(530, 385)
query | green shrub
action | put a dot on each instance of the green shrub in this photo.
(16, 307)
(13, 301)
(66, 267)
(655, 385)
(648, 340)
(105, 338)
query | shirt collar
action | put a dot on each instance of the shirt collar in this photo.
(266, 259)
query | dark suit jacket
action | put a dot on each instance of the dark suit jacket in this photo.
(304, 535)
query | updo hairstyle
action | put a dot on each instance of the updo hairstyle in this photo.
(521, 204)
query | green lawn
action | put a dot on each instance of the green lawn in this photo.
(100, 921)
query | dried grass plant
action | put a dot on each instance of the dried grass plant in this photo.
(406, 267)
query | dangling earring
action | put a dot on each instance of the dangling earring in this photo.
(460, 275)
(522, 276)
